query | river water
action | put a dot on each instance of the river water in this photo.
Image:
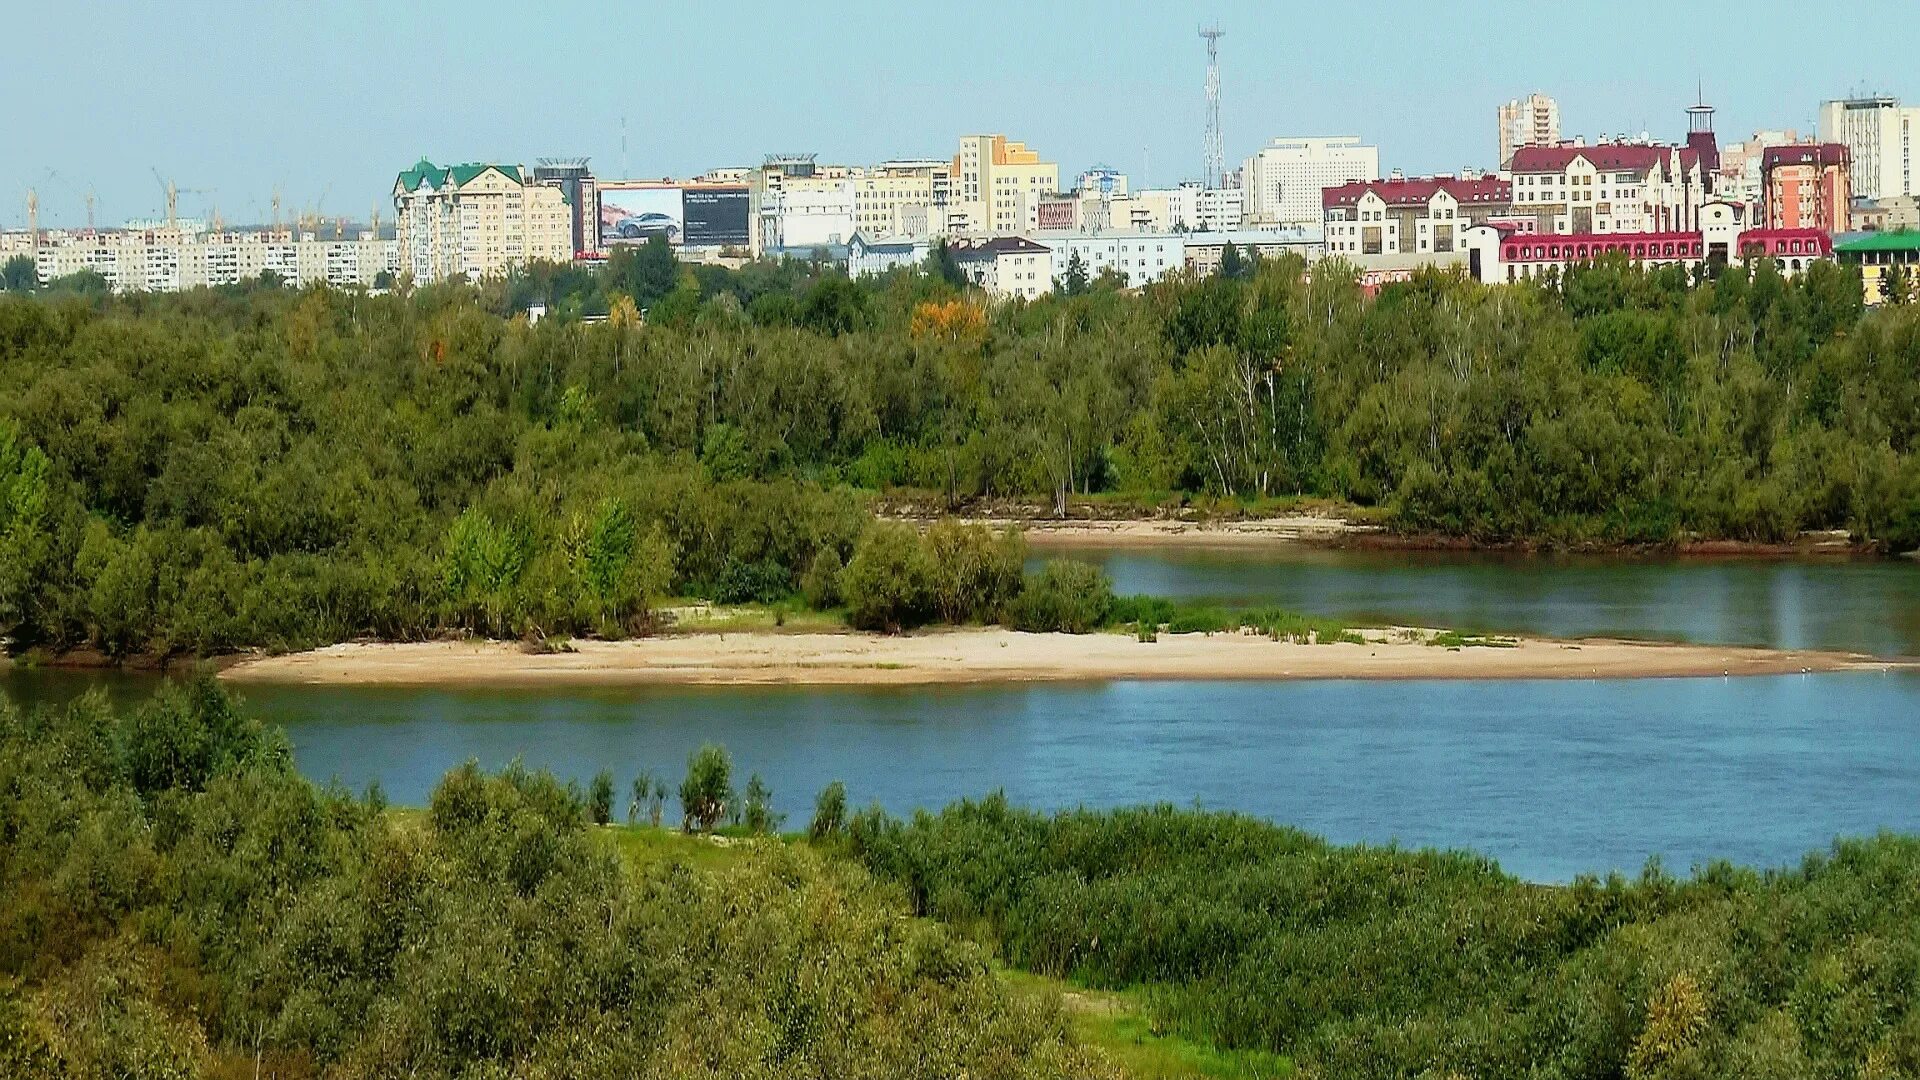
(1552, 778)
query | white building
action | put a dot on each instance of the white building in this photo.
(1205, 250)
(1421, 216)
(1720, 236)
(1284, 180)
(1884, 139)
(1139, 259)
(170, 260)
(1608, 188)
(1006, 266)
(1530, 121)
(811, 212)
(870, 256)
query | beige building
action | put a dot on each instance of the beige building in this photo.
(1006, 266)
(480, 220)
(997, 187)
(901, 198)
(1530, 121)
(1283, 181)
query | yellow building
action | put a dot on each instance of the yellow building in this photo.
(997, 187)
(901, 198)
(480, 220)
(1879, 256)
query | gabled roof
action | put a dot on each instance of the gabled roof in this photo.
(1635, 157)
(424, 171)
(1803, 154)
(999, 245)
(1419, 191)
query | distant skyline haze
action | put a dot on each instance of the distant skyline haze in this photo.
(328, 103)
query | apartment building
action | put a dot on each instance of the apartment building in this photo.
(1005, 266)
(1738, 180)
(1418, 216)
(1533, 120)
(1806, 186)
(1283, 181)
(1878, 255)
(169, 261)
(1137, 259)
(997, 187)
(901, 198)
(1614, 187)
(1205, 250)
(1882, 138)
(478, 219)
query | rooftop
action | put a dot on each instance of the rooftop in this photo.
(1899, 240)
(1420, 190)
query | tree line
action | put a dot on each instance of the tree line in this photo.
(258, 466)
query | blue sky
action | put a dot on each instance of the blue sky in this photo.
(331, 99)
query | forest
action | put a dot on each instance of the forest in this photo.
(256, 466)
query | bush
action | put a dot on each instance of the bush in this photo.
(708, 789)
(976, 572)
(600, 798)
(829, 812)
(820, 585)
(888, 584)
(1066, 596)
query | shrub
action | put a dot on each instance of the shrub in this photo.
(600, 798)
(829, 812)
(820, 585)
(888, 584)
(976, 571)
(707, 790)
(1066, 596)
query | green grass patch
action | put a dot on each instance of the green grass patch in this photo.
(1145, 616)
(1118, 1025)
(1460, 639)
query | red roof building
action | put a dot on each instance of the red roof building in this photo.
(1414, 216)
(1617, 187)
(1806, 186)
(1497, 256)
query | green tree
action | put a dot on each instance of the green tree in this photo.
(707, 791)
(1074, 280)
(758, 815)
(600, 798)
(19, 275)
(829, 813)
(1066, 596)
(1232, 266)
(888, 584)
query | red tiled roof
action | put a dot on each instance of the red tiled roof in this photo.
(1419, 191)
(1803, 154)
(1632, 156)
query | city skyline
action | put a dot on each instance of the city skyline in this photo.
(231, 104)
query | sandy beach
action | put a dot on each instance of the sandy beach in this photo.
(1147, 532)
(997, 655)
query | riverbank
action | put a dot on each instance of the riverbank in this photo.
(997, 655)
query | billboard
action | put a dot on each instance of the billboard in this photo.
(705, 215)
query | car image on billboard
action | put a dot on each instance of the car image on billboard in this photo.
(636, 213)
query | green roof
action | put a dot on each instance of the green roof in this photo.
(1901, 240)
(459, 175)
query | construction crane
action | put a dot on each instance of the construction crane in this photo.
(33, 218)
(87, 195)
(172, 194)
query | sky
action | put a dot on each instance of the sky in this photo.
(327, 101)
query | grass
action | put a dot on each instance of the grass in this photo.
(1117, 1024)
(1458, 639)
(703, 617)
(1145, 616)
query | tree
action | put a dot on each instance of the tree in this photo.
(759, 817)
(829, 812)
(888, 584)
(383, 280)
(942, 266)
(19, 275)
(1894, 286)
(600, 798)
(1232, 266)
(708, 789)
(1074, 280)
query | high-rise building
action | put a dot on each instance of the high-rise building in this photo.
(1882, 137)
(1533, 120)
(1806, 186)
(1284, 180)
(480, 220)
(997, 187)
(577, 186)
(902, 198)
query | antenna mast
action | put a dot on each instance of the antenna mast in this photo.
(1216, 164)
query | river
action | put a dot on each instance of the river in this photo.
(1553, 779)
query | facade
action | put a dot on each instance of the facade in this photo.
(1805, 186)
(1738, 179)
(901, 198)
(1617, 187)
(806, 212)
(1530, 121)
(1283, 181)
(170, 260)
(1877, 255)
(997, 187)
(1138, 259)
(1204, 250)
(1887, 215)
(1420, 216)
(1193, 207)
(1883, 139)
(867, 256)
(478, 219)
(582, 196)
(1500, 255)
(1006, 266)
